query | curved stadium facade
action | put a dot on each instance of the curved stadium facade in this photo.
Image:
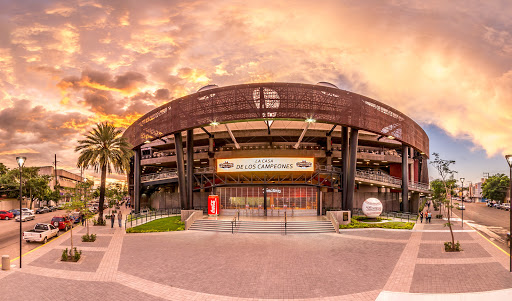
(267, 147)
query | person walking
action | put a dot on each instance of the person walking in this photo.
(82, 219)
(429, 217)
(421, 217)
(120, 218)
(112, 218)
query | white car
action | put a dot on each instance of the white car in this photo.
(27, 210)
(25, 216)
(41, 233)
(462, 207)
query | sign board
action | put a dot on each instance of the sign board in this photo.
(213, 205)
(265, 164)
(372, 207)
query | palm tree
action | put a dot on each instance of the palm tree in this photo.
(104, 149)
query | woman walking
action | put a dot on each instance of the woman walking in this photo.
(421, 217)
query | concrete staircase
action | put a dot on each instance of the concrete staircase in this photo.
(269, 227)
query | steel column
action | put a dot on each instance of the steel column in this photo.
(190, 168)
(265, 199)
(136, 181)
(182, 184)
(344, 166)
(405, 177)
(318, 204)
(354, 135)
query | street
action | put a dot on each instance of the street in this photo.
(493, 223)
(10, 234)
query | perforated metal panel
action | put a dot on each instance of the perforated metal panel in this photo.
(267, 101)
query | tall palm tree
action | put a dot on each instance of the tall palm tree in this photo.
(105, 150)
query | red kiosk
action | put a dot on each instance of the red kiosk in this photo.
(213, 205)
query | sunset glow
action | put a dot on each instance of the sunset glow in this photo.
(65, 66)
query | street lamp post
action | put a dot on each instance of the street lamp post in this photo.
(21, 162)
(509, 160)
(462, 199)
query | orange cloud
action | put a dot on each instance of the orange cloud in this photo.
(19, 151)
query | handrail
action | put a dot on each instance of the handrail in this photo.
(233, 221)
(285, 222)
(334, 221)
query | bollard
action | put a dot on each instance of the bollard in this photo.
(6, 263)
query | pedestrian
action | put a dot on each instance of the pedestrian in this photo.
(421, 217)
(112, 218)
(429, 216)
(428, 205)
(119, 218)
(82, 218)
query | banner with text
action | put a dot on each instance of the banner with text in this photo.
(265, 164)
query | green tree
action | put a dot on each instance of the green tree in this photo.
(105, 150)
(443, 168)
(3, 169)
(495, 187)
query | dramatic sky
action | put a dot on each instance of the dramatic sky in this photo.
(66, 65)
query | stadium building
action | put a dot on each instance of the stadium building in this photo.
(268, 147)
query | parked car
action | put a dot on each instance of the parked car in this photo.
(52, 208)
(25, 216)
(27, 210)
(490, 204)
(461, 207)
(6, 215)
(61, 222)
(42, 210)
(60, 206)
(41, 232)
(15, 212)
(505, 206)
(497, 205)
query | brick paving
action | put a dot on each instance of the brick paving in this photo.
(364, 264)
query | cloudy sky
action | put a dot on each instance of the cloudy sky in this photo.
(66, 65)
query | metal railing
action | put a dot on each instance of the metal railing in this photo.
(378, 176)
(233, 221)
(159, 176)
(285, 222)
(133, 220)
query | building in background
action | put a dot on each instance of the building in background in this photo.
(475, 192)
(65, 179)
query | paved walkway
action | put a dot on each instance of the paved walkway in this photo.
(358, 264)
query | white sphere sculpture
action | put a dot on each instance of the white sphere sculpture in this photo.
(372, 207)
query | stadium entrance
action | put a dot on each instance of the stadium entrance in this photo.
(254, 200)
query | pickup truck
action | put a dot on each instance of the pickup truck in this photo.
(41, 232)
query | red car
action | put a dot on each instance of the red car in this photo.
(62, 222)
(6, 215)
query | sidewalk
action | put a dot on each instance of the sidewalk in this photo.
(359, 264)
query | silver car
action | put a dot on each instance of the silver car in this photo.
(25, 216)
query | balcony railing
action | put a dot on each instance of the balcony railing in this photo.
(378, 176)
(159, 176)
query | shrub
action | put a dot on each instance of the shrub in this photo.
(97, 222)
(389, 225)
(88, 238)
(448, 247)
(64, 256)
(77, 255)
(439, 216)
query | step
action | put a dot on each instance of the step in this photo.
(273, 227)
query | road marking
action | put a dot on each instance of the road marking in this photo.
(54, 239)
(491, 242)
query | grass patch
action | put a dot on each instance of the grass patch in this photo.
(172, 223)
(389, 225)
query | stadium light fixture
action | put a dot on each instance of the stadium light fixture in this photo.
(310, 120)
(214, 123)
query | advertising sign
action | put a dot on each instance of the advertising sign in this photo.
(213, 205)
(265, 164)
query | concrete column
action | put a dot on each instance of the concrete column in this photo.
(265, 200)
(182, 184)
(344, 166)
(136, 181)
(328, 151)
(405, 182)
(354, 136)
(190, 168)
(415, 202)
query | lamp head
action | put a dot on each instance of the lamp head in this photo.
(462, 180)
(21, 161)
(509, 160)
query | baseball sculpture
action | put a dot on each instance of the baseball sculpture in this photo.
(372, 207)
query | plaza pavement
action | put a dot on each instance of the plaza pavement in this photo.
(358, 264)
